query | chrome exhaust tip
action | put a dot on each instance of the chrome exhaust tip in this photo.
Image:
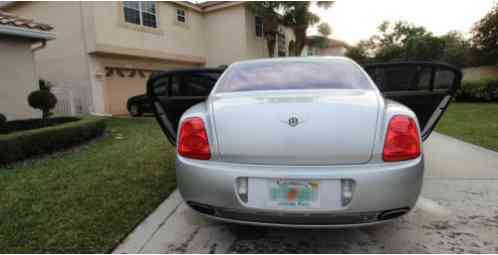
(391, 214)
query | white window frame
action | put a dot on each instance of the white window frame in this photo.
(140, 11)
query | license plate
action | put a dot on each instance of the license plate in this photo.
(294, 193)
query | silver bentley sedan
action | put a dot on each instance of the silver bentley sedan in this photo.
(302, 142)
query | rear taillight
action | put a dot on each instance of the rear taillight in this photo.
(402, 139)
(193, 139)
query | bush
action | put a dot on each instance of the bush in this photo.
(485, 90)
(3, 120)
(22, 145)
(28, 124)
(42, 99)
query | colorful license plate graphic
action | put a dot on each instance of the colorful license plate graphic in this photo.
(294, 193)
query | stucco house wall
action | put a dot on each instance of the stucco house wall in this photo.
(17, 72)
(63, 61)
(94, 37)
(225, 35)
(169, 38)
(337, 51)
(256, 47)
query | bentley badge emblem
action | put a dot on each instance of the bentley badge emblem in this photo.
(293, 121)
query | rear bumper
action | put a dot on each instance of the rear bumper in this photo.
(210, 188)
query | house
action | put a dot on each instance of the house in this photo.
(329, 47)
(19, 39)
(105, 51)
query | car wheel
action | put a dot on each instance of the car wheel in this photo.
(134, 110)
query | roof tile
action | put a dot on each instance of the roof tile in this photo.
(11, 19)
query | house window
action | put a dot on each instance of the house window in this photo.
(181, 16)
(259, 26)
(140, 13)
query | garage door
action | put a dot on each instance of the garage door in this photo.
(120, 87)
(123, 83)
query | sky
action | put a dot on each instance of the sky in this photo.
(354, 20)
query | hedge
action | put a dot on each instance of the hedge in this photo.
(22, 145)
(28, 124)
(485, 90)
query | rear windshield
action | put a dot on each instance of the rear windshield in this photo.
(279, 75)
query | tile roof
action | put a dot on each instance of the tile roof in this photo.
(10, 19)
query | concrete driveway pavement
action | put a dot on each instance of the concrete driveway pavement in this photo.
(457, 212)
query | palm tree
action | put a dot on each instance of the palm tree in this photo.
(271, 19)
(293, 14)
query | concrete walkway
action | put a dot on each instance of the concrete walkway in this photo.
(457, 212)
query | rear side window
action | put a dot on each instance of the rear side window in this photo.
(401, 78)
(275, 75)
(192, 85)
(443, 79)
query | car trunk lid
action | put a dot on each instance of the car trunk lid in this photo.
(296, 127)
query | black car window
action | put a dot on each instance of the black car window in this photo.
(443, 79)
(298, 74)
(161, 86)
(187, 85)
(401, 78)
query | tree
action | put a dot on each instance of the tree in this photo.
(43, 99)
(485, 36)
(457, 50)
(324, 29)
(360, 52)
(268, 11)
(293, 14)
(299, 18)
(404, 41)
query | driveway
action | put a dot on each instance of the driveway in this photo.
(457, 212)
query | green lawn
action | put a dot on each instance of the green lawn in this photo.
(475, 123)
(89, 200)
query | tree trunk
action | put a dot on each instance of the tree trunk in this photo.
(45, 114)
(270, 27)
(300, 32)
(270, 42)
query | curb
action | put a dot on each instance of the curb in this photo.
(139, 237)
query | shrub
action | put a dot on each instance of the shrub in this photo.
(28, 124)
(42, 99)
(3, 120)
(22, 145)
(44, 85)
(485, 90)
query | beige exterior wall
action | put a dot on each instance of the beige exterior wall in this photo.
(225, 35)
(256, 46)
(337, 51)
(18, 79)
(168, 39)
(289, 36)
(115, 90)
(63, 61)
(93, 35)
